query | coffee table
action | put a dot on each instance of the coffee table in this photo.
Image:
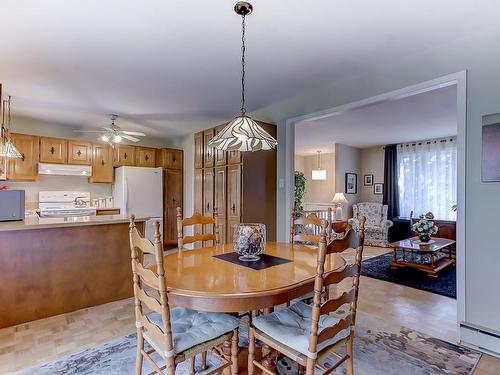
(430, 258)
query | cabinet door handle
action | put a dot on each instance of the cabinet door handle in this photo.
(146, 157)
(52, 150)
(79, 153)
(208, 206)
(22, 156)
(102, 162)
(125, 155)
(233, 208)
(173, 200)
(173, 159)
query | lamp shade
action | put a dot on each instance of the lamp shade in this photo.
(339, 198)
(243, 134)
(7, 149)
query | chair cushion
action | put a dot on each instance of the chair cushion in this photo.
(292, 326)
(191, 327)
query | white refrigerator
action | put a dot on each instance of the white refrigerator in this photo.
(139, 191)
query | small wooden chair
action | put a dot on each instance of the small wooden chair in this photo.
(330, 324)
(310, 220)
(176, 334)
(196, 219)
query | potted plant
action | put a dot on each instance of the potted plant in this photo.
(300, 188)
(425, 228)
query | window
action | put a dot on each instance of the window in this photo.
(427, 178)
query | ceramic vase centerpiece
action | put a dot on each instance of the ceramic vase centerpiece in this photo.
(425, 229)
(249, 241)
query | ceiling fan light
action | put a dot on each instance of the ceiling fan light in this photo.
(243, 134)
(104, 138)
(117, 138)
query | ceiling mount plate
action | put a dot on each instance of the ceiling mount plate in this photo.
(243, 8)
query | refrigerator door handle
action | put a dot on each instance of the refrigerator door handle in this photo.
(126, 196)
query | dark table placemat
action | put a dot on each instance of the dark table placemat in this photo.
(264, 262)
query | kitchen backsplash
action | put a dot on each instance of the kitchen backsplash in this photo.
(53, 183)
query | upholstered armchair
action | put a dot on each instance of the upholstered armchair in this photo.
(377, 225)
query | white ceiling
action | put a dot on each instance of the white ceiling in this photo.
(171, 67)
(426, 115)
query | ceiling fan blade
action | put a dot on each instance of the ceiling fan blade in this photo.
(138, 134)
(130, 138)
(88, 131)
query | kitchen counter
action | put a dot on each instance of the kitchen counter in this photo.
(33, 221)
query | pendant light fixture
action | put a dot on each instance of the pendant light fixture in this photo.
(318, 174)
(243, 133)
(7, 148)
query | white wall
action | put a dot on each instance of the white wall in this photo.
(317, 191)
(372, 162)
(347, 160)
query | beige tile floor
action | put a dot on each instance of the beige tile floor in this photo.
(44, 340)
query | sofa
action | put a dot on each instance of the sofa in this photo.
(376, 226)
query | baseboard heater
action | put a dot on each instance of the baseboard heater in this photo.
(481, 339)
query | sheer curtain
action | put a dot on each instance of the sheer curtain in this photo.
(427, 178)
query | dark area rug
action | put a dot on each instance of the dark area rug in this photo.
(380, 268)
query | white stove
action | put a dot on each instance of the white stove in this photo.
(64, 204)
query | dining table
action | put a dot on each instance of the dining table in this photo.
(199, 279)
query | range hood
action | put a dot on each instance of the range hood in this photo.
(65, 169)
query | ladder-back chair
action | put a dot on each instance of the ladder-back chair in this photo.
(176, 334)
(196, 220)
(308, 334)
(309, 222)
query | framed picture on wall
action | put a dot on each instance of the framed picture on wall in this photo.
(378, 189)
(368, 179)
(491, 153)
(351, 183)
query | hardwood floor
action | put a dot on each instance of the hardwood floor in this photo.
(44, 340)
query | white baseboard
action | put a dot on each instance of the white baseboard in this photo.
(480, 339)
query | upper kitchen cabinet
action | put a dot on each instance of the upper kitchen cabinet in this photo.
(208, 152)
(124, 155)
(102, 163)
(25, 169)
(79, 152)
(53, 150)
(169, 158)
(198, 150)
(220, 155)
(145, 157)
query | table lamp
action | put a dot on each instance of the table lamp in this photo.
(338, 201)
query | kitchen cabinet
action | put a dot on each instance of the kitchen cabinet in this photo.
(220, 156)
(173, 197)
(208, 155)
(198, 150)
(102, 163)
(25, 169)
(145, 157)
(79, 152)
(220, 201)
(169, 158)
(124, 155)
(53, 150)
(208, 200)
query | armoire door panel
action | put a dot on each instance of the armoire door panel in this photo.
(173, 188)
(208, 200)
(208, 153)
(233, 209)
(220, 155)
(198, 150)
(220, 199)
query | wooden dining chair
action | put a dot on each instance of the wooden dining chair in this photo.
(308, 334)
(309, 221)
(175, 334)
(196, 220)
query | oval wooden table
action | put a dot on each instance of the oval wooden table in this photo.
(197, 280)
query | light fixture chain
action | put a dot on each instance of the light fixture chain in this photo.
(243, 48)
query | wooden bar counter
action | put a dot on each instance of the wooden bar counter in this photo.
(54, 266)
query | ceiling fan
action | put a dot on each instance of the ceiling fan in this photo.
(114, 134)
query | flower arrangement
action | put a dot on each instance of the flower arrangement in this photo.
(425, 228)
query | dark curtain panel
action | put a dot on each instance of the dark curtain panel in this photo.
(391, 195)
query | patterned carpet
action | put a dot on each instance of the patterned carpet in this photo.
(380, 349)
(380, 268)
